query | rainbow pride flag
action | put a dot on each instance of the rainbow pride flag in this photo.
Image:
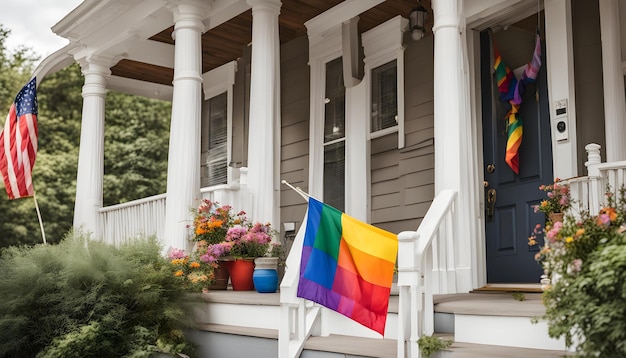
(511, 91)
(347, 265)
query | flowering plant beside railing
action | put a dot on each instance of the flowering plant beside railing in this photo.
(558, 198)
(585, 258)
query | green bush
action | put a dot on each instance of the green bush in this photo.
(83, 298)
(587, 302)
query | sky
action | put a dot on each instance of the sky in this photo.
(30, 22)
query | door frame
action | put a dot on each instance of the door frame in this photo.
(562, 152)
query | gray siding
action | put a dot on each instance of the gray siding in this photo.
(294, 166)
(402, 180)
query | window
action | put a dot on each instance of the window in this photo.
(334, 135)
(216, 126)
(217, 157)
(384, 97)
(384, 70)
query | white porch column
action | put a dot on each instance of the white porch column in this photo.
(264, 137)
(183, 176)
(451, 125)
(91, 152)
(614, 103)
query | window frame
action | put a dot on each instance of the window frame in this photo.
(383, 44)
(215, 83)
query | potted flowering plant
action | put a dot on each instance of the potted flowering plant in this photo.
(242, 245)
(212, 221)
(557, 202)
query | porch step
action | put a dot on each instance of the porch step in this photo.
(241, 308)
(245, 339)
(470, 350)
(495, 319)
(348, 346)
(262, 310)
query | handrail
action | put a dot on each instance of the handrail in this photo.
(146, 216)
(298, 316)
(132, 203)
(426, 266)
(588, 192)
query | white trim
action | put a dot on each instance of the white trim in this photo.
(140, 88)
(216, 82)
(344, 11)
(381, 45)
(478, 244)
(560, 69)
(322, 49)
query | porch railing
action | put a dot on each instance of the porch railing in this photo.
(298, 317)
(146, 217)
(426, 266)
(588, 192)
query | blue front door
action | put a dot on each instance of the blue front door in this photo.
(510, 197)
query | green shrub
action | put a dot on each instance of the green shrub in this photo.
(83, 298)
(431, 344)
(587, 302)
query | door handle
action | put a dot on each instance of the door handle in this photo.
(491, 202)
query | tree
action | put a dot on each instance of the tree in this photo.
(136, 141)
(136, 147)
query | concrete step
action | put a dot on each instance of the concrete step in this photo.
(495, 319)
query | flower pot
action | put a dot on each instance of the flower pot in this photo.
(220, 279)
(555, 217)
(265, 275)
(241, 271)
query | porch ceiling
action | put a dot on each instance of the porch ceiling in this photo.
(227, 41)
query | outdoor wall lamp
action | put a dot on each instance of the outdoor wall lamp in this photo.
(417, 21)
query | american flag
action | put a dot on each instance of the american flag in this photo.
(18, 143)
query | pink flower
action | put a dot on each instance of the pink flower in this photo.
(552, 233)
(604, 219)
(575, 266)
(176, 254)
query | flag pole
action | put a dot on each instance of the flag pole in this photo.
(304, 195)
(43, 234)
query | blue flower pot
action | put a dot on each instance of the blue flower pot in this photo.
(265, 280)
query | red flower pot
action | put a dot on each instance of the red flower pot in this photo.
(241, 271)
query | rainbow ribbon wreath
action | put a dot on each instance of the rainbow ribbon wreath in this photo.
(511, 91)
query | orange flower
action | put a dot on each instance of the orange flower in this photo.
(179, 273)
(610, 212)
(194, 264)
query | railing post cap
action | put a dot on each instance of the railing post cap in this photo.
(407, 236)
